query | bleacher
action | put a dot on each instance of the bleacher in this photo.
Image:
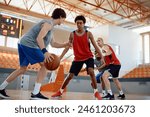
(142, 71)
(10, 59)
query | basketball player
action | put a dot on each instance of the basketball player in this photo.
(101, 68)
(80, 40)
(32, 49)
(111, 67)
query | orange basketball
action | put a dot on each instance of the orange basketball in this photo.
(54, 64)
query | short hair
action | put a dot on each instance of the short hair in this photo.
(57, 13)
(80, 17)
(99, 38)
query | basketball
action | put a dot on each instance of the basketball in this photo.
(54, 64)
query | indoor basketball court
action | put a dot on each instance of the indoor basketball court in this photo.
(124, 25)
(25, 95)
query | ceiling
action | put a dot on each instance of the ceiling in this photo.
(129, 14)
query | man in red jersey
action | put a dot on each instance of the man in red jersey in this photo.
(112, 67)
(80, 40)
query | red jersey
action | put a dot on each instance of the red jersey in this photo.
(81, 47)
(111, 59)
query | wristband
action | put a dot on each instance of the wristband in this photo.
(44, 50)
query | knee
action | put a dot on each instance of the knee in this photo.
(41, 64)
(116, 80)
(23, 69)
(105, 76)
(90, 71)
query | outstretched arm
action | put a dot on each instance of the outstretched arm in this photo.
(59, 45)
(94, 44)
(64, 52)
(67, 47)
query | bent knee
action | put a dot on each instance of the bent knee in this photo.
(41, 64)
(115, 80)
(106, 74)
(22, 70)
(91, 71)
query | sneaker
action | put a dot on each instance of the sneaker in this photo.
(38, 96)
(57, 94)
(103, 95)
(3, 94)
(97, 96)
(109, 97)
(121, 96)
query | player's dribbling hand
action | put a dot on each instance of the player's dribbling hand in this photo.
(48, 57)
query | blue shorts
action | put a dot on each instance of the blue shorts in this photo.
(98, 76)
(29, 55)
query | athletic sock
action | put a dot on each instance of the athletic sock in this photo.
(61, 90)
(110, 92)
(95, 90)
(36, 88)
(3, 85)
(104, 92)
(121, 92)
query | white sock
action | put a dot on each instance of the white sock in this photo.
(103, 92)
(61, 90)
(95, 90)
(121, 92)
(36, 88)
(110, 92)
(3, 85)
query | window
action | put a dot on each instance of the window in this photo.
(2, 40)
(12, 42)
(146, 47)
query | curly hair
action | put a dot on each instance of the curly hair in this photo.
(57, 13)
(80, 17)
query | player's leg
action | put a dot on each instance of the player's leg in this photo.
(23, 66)
(10, 78)
(105, 76)
(90, 67)
(119, 87)
(94, 84)
(40, 76)
(35, 55)
(65, 83)
(74, 70)
(101, 82)
(104, 93)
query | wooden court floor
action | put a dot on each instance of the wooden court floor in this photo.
(25, 95)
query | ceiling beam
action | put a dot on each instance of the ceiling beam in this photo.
(24, 12)
(76, 9)
(138, 12)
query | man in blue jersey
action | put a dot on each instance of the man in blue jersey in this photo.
(32, 49)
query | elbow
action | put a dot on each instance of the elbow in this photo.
(38, 40)
(53, 44)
